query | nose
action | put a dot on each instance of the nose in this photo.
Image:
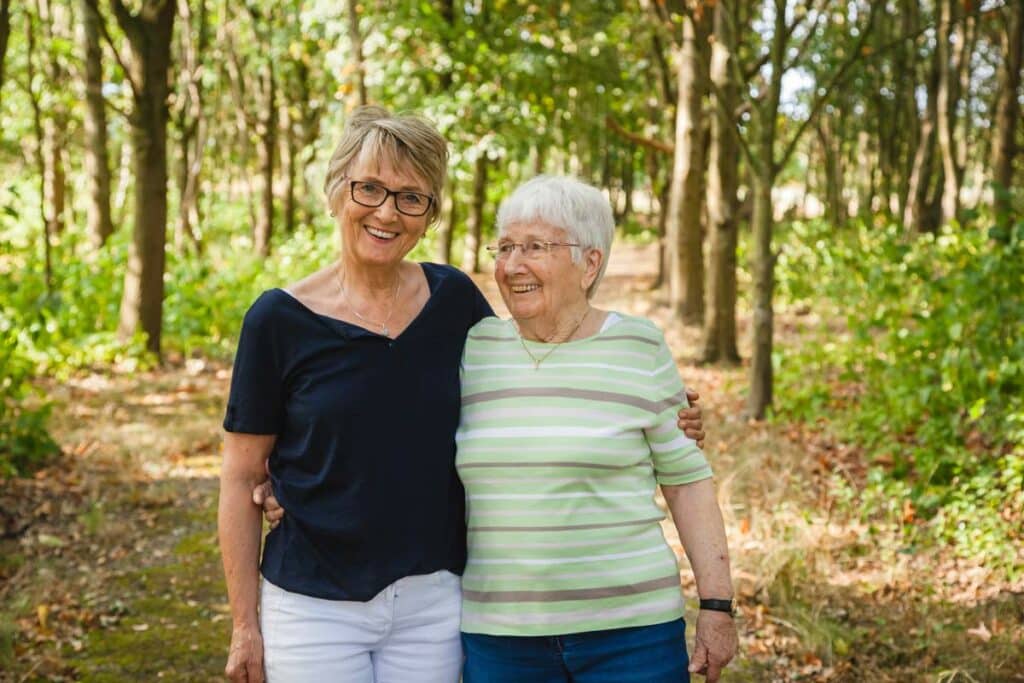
(515, 261)
(387, 211)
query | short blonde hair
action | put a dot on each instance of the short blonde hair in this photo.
(403, 140)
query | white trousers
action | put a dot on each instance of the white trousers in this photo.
(408, 633)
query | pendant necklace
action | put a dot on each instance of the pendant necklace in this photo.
(383, 325)
(537, 361)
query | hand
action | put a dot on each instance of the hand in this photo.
(691, 419)
(715, 644)
(263, 495)
(245, 658)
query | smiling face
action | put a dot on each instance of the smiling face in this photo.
(548, 287)
(378, 236)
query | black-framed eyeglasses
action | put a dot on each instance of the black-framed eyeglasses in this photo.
(534, 249)
(367, 193)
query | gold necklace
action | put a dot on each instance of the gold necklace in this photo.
(383, 325)
(555, 345)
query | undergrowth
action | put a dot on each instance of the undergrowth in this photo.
(926, 373)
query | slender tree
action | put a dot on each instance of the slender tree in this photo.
(1007, 116)
(684, 228)
(149, 33)
(5, 33)
(720, 313)
(97, 158)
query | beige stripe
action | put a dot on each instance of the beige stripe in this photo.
(589, 394)
(570, 527)
(631, 337)
(572, 593)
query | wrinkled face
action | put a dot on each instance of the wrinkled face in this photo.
(379, 236)
(544, 285)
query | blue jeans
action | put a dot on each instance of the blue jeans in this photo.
(640, 654)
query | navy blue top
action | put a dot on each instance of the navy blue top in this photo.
(364, 461)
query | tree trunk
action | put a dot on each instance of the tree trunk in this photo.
(446, 230)
(761, 374)
(55, 178)
(55, 123)
(948, 97)
(474, 229)
(720, 314)
(356, 40)
(1007, 115)
(685, 234)
(289, 161)
(149, 35)
(763, 266)
(832, 164)
(192, 126)
(907, 63)
(97, 162)
(265, 153)
(5, 34)
(915, 214)
(38, 149)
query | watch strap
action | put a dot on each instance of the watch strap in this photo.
(717, 605)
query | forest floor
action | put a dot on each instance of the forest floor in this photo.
(109, 568)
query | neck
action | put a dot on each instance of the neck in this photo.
(560, 328)
(370, 282)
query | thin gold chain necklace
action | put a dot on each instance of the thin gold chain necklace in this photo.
(383, 325)
(555, 345)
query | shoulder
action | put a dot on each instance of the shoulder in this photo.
(641, 330)
(491, 329)
(442, 273)
(268, 307)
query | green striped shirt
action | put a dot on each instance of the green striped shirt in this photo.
(560, 465)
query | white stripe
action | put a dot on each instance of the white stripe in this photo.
(488, 411)
(681, 442)
(565, 560)
(598, 366)
(552, 496)
(553, 481)
(543, 432)
(647, 509)
(651, 528)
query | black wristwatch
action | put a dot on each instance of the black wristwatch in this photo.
(717, 605)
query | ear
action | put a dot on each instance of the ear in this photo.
(592, 260)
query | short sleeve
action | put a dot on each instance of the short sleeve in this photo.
(676, 457)
(256, 399)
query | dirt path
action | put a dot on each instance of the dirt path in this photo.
(116, 576)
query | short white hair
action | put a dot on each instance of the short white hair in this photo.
(567, 203)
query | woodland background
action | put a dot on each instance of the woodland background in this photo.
(818, 200)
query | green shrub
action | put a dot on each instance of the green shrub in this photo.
(929, 374)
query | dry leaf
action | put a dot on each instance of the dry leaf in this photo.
(981, 632)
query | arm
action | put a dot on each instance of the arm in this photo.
(239, 528)
(698, 520)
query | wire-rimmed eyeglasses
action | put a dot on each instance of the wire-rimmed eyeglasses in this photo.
(367, 193)
(534, 249)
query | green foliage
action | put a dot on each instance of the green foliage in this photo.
(929, 376)
(24, 441)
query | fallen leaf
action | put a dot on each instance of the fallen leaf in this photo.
(981, 632)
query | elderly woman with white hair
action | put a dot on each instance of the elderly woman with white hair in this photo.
(567, 426)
